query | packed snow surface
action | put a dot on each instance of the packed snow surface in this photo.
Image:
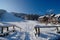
(28, 31)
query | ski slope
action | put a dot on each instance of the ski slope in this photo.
(9, 17)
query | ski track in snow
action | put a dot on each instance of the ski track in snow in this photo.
(29, 32)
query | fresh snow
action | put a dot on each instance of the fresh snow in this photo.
(9, 17)
(57, 15)
(27, 32)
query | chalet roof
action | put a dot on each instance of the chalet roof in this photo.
(51, 14)
(44, 16)
(57, 15)
(47, 15)
(41, 16)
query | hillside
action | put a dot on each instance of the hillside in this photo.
(9, 17)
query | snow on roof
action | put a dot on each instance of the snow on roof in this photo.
(41, 16)
(57, 15)
(44, 16)
(5, 25)
(47, 15)
(52, 14)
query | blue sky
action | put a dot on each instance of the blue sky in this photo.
(30, 6)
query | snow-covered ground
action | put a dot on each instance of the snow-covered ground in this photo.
(28, 32)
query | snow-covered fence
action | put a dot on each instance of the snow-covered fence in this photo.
(37, 28)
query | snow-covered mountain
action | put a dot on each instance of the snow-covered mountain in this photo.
(9, 17)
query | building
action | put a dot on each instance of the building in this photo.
(48, 19)
(58, 17)
(40, 19)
